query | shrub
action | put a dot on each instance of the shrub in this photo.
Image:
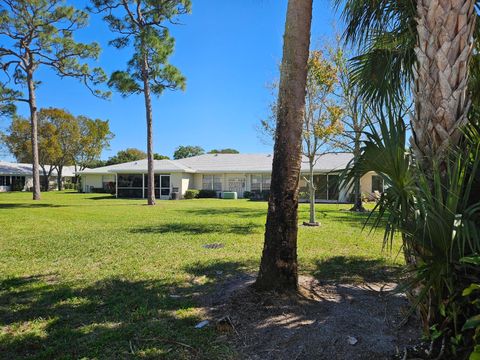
(247, 194)
(303, 195)
(17, 186)
(191, 194)
(100, 191)
(207, 194)
(258, 195)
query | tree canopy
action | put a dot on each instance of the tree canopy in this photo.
(63, 138)
(127, 155)
(224, 151)
(186, 151)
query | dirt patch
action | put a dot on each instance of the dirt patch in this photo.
(325, 321)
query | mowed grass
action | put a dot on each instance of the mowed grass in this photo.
(89, 276)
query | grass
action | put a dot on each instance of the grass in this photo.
(89, 276)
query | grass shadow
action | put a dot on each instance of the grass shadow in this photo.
(343, 269)
(226, 211)
(199, 228)
(114, 318)
(28, 206)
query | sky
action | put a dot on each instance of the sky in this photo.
(229, 51)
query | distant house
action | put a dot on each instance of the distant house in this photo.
(220, 172)
(18, 176)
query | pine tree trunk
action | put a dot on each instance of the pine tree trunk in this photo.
(311, 191)
(278, 268)
(32, 102)
(60, 178)
(148, 111)
(357, 191)
(443, 53)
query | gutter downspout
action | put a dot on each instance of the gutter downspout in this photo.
(116, 185)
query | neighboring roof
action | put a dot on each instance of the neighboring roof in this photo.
(22, 169)
(8, 168)
(140, 166)
(223, 163)
(230, 163)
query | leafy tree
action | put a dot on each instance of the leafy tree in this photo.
(144, 22)
(63, 140)
(322, 118)
(160, 157)
(95, 136)
(224, 151)
(66, 134)
(278, 267)
(36, 34)
(356, 115)
(95, 164)
(17, 140)
(183, 152)
(127, 155)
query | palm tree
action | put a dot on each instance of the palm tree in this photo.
(278, 268)
(427, 44)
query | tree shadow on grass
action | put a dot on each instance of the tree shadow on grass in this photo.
(226, 211)
(343, 269)
(346, 217)
(28, 206)
(114, 318)
(200, 228)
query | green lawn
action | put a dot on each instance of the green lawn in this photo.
(89, 276)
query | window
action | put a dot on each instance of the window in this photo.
(333, 188)
(130, 181)
(321, 187)
(256, 183)
(108, 182)
(5, 180)
(377, 183)
(217, 183)
(212, 182)
(260, 182)
(207, 182)
(266, 179)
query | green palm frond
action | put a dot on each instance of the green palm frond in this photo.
(385, 32)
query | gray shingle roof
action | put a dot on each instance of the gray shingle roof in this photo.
(8, 168)
(224, 163)
(23, 169)
(140, 166)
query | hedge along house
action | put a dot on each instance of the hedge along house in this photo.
(18, 176)
(239, 173)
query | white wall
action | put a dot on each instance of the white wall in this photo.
(91, 181)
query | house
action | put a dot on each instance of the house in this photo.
(18, 176)
(220, 172)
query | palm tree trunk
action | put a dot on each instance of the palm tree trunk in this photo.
(278, 268)
(443, 51)
(148, 111)
(32, 102)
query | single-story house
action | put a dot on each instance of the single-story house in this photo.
(239, 173)
(18, 176)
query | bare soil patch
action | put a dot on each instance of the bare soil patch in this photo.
(323, 321)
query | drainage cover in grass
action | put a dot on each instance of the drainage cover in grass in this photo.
(213, 246)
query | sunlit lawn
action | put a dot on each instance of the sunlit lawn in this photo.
(88, 276)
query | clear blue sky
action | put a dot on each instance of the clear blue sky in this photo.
(229, 50)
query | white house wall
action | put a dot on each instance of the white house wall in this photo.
(90, 181)
(185, 181)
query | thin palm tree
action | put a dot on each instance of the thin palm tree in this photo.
(278, 268)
